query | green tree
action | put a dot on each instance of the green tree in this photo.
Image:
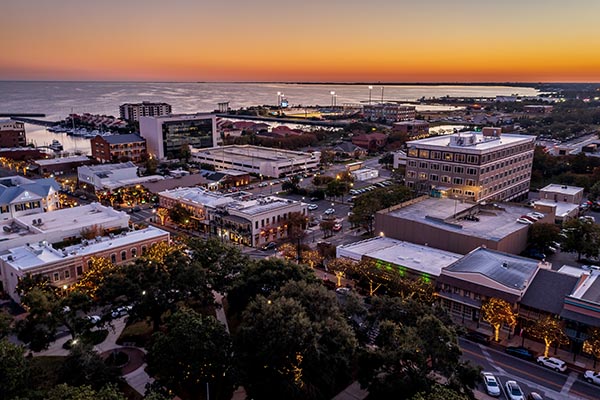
(84, 366)
(582, 237)
(85, 392)
(5, 324)
(498, 312)
(327, 157)
(180, 214)
(439, 392)
(14, 370)
(592, 344)
(550, 330)
(195, 351)
(387, 159)
(541, 235)
(368, 272)
(264, 277)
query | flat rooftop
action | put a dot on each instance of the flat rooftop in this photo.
(562, 209)
(419, 258)
(252, 154)
(35, 255)
(62, 160)
(198, 196)
(259, 206)
(495, 223)
(481, 142)
(563, 189)
(589, 289)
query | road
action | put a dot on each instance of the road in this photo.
(530, 376)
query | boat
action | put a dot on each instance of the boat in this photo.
(56, 145)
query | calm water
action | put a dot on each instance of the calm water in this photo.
(57, 99)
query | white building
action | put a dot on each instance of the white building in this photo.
(21, 196)
(64, 266)
(112, 176)
(235, 217)
(265, 161)
(167, 135)
(562, 193)
(365, 174)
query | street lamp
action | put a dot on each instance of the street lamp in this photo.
(332, 93)
(278, 99)
(370, 89)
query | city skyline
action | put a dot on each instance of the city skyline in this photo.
(432, 41)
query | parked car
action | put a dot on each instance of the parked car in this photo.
(312, 207)
(520, 352)
(94, 319)
(553, 363)
(491, 384)
(513, 391)
(532, 219)
(269, 246)
(532, 215)
(330, 211)
(477, 337)
(524, 221)
(535, 253)
(314, 199)
(592, 377)
(534, 396)
(539, 215)
(337, 227)
(343, 290)
(136, 209)
(120, 311)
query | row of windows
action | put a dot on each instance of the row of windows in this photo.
(468, 158)
(509, 173)
(424, 176)
(279, 218)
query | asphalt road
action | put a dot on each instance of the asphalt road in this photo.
(530, 376)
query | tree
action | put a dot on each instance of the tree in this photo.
(326, 225)
(439, 392)
(420, 289)
(327, 157)
(195, 351)
(582, 237)
(366, 205)
(592, 344)
(162, 213)
(92, 232)
(367, 271)
(180, 215)
(98, 268)
(185, 153)
(295, 344)
(85, 392)
(387, 159)
(5, 324)
(13, 369)
(84, 366)
(541, 235)
(549, 330)
(498, 312)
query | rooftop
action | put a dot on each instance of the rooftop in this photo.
(511, 271)
(198, 196)
(17, 189)
(480, 142)
(412, 256)
(563, 189)
(261, 205)
(589, 289)
(562, 209)
(173, 183)
(252, 154)
(121, 139)
(548, 290)
(39, 254)
(495, 223)
(107, 168)
(181, 117)
(62, 160)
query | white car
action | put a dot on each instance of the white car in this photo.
(312, 207)
(330, 211)
(94, 319)
(592, 377)
(120, 311)
(552, 363)
(539, 215)
(513, 391)
(534, 216)
(524, 221)
(491, 384)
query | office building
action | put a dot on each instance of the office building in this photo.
(562, 193)
(389, 112)
(166, 135)
(239, 218)
(265, 161)
(414, 129)
(478, 166)
(12, 133)
(115, 148)
(133, 111)
(65, 266)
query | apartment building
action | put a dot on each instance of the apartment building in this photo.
(133, 111)
(114, 148)
(64, 266)
(265, 161)
(239, 217)
(389, 112)
(413, 129)
(167, 135)
(480, 166)
(12, 133)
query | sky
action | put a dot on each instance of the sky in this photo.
(303, 40)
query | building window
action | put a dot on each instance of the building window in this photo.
(445, 179)
(422, 175)
(424, 153)
(457, 181)
(471, 171)
(56, 276)
(436, 155)
(459, 170)
(412, 163)
(133, 253)
(472, 159)
(448, 156)
(433, 178)
(435, 167)
(413, 152)
(113, 258)
(446, 168)
(89, 264)
(411, 174)
(459, 158)
(470, 182)
(423, 165)
(67, 274)
(144, 249)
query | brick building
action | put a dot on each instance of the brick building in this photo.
(12, 133)
(118, 148)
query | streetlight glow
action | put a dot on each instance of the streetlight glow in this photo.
(332, 93)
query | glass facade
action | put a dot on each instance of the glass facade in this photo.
(177, 134)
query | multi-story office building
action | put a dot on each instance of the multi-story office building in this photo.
(133, 111)
(20, 196)
(264, 161)
(473, 165)
(65, 266)
(389, 112)
(239, 217)
(167, 135)
(413, 129)
(118, 148)
(12, 133)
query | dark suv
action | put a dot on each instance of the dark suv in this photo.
(477, 337)
(520, 352)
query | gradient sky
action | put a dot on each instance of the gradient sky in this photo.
(304, 40)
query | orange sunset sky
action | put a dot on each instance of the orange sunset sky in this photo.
(304, 40)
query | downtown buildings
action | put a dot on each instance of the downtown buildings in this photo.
(12, 133)
(479, 166)
(115, 148)
(133, 111)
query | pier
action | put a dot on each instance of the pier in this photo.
(33, 121)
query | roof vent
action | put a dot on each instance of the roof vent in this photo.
(505, 265)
